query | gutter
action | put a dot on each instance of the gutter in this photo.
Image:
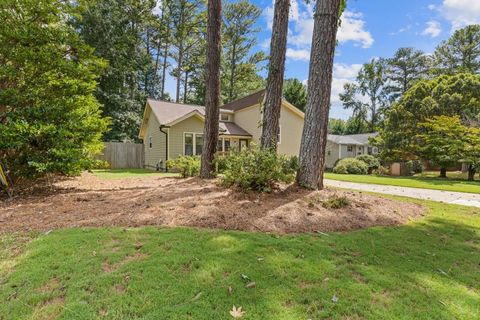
(166, 142)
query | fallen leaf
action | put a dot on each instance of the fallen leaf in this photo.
(334, 298)
(230, 290)
(244, 277)
(94, 253)
(260, 258)
(197, 296)
(442, 272)
(237, 313)
(251, 285)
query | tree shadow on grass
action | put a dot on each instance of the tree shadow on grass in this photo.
(426, 270)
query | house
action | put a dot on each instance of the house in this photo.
(170, 130)
(348, 146)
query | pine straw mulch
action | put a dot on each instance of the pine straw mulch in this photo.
(91, 201)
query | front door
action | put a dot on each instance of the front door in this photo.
(243, 143)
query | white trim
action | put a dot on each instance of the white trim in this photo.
(194, 141)
(279, 136)
(186, 116)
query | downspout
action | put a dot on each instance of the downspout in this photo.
(166, 143)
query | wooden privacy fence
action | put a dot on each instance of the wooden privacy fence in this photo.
(122, 155)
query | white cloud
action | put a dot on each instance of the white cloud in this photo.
(342, 70)
(460, 12)
(298, 54)
(353, 29)
(433, 29)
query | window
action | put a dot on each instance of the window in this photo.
(350, 148)
(224, 117)
(226, 145)
(375, 150)
(188, 141)
(220, 145)
(150, 142)
(369, 150)
(198, 144)
(329, 152)
(193, 143)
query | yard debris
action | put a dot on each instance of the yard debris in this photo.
(442, 272)
(197, 296)
(230, 290)
(244, 277)
(334, 298)
(260, 258)
(251, 285)
(237, 313)
(48, 232)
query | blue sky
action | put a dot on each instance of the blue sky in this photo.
(370, 28)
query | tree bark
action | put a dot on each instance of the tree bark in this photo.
(276, 69)
(471, 172)
(443, 172)
(232, 73)
(314, 138)
(164, 69)
(212, 96)
(179, 70)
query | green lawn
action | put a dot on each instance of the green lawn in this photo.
(427, 269)
(424, 182)
(130, 173)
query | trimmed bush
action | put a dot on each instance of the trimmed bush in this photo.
(414, 166)
(371, 161)
(381, 171)
(258, 170)
(351, 166)
(187, 166)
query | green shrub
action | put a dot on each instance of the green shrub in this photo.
(336, 202)
(414, 166)
(220, 163)
(351, 166)
(187, 166)
(259, 170)
(371, 161)
(381, 171)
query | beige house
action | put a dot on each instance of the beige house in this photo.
(170, 130)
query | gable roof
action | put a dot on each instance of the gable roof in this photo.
(169, 112)
(355, 139)
(245, 102)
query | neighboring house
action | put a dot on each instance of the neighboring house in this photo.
(348, 146)
(170, 130)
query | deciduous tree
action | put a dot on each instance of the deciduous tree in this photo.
(50, 120)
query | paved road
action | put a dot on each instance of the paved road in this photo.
(466, 199)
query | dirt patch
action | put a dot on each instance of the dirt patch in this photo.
(106, 267)
(91, 201)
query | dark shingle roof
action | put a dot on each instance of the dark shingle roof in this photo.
(250, 100)
(232, 129)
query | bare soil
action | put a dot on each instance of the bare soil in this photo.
(91, 201)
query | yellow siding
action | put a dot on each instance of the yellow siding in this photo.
(176, 147)
(157, 152)
(249, 119)
(291, 129)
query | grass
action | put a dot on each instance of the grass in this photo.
(426, 269)
(428, 181)
(130, 173)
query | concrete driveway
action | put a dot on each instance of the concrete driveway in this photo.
(462, 198)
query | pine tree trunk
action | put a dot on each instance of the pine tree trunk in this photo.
(212, 96)
(164, 70)
(185, 87)
(179, 73)
(232, 73)
(273, 98)
(314, 138)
